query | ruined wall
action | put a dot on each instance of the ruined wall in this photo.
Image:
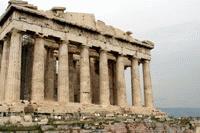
(95, 123)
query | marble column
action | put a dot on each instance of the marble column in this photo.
(4, 68)
(135, 82)
(104, 79)
(1, 51)
(148, 96)
(85, 88)
(12, 91)
(120, 82)
(37, 89)
(63, 74)
(50, 75)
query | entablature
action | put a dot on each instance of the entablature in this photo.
(21, 19)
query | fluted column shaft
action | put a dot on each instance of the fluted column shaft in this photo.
(120, 82)
(135, 81)
(148, 95)
(37, 94)
(1, 52)
(50, 74)
(104, 79)
(85, 88)
(12, 91)
(63, 74)
(3, 72)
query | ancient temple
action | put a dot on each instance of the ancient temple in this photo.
(62, 61)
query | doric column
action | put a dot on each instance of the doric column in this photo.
(63, 74)
(85, 88)
(148, 96)
(120, 82)
(37, 93)
(50, 75)
(104, 79)
(12, 91)
(4, 67)
(135, 81)
(1, 52)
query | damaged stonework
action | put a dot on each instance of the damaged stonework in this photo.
(62, 62)
(96, 122)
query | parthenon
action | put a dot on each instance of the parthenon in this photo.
(62, 61)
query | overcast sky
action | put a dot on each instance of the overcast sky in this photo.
(143, 17)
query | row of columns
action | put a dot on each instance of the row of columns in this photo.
(11, 70)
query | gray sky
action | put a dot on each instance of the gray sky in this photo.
(172, 24)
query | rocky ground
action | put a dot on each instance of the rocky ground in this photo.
(84, 123)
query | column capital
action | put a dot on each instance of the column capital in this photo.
(84, 46)
(6, 37)
(103, 51)
(39, 36)
(134, 58)
(63, 42)
(146, 61)
(120, 55)
(15, 31)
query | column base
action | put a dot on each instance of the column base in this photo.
(48, 107)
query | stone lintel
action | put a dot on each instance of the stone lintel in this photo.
(22, 26)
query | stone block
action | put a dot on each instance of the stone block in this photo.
(47, 127)
(28, 118)
(4, 120)
(15, 119)
(36, 131)
(81, 19)
(18, 2)
(43, 121)
(63, 127)
(22, 131)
